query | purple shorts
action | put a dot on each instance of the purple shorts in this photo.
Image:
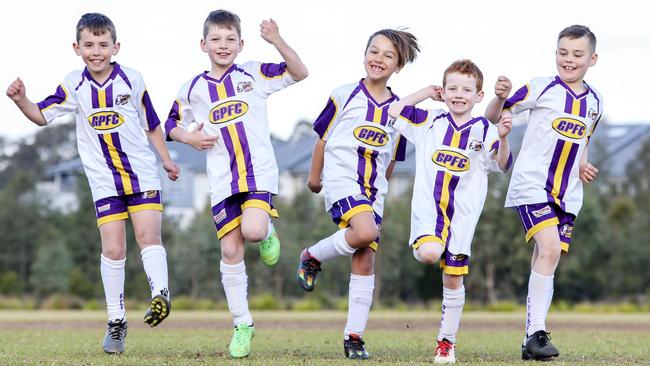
(118, 207)
(344, 209)
(538, 216)
(227, 213)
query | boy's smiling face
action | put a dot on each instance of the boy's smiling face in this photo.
(96, 52)
(573, 58)
(460, 93)
(222, 45)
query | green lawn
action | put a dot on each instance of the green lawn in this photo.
(315, 338)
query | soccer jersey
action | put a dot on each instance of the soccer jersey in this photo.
(360, 145)
(451, 166)
(110, 119)
(559, 126)
(234, 109)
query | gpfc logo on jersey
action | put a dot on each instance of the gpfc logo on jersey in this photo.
(371, 135)
(451, 160)
(106, 120)
(228, 111)
(571, 128)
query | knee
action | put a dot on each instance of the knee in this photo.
(231, 253)
(147, 238)
(428, 253)
(366, 234)
(549, 252)
(452, 282)
(114, 251)
(254, 233)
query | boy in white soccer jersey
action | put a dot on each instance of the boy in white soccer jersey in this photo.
(355, 153)
(454, 154)
(229, 105)
(112, 108)
(546, 183)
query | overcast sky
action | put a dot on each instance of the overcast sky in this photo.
(161, 40)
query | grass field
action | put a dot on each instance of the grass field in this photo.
(315, 338)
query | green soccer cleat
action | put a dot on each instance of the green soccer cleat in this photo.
(159, 309)
(240, 345)
(270, 249)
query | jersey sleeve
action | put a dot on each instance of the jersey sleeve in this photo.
(62, 102)
(180, 114)
(147, 114)
(328, 117)
(399, 150)
(269, 76)
(524, 98)
(599, 98)
(490, 149)
(412, 119)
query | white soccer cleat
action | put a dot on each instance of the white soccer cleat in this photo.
(445, 352)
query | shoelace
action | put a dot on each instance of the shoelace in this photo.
(356, 344)
(313, 266)
(542, 339)
(116, 330)
(240, 334)
(444, 346)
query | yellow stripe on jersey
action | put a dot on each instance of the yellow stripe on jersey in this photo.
(367, 173)
(115, 158)
(239, 158)
(575, 107)
(101, 98)
(455, 140)
(444, 204)
(376, 117)
(221, 91)
(559, 172)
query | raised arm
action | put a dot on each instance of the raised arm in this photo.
(271, 33)
(317, 160)
(501, 90)
(432, 91)
(16, 92)
(158, 142)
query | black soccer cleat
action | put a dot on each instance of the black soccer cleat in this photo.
(159, 309)
(353, 347)
(538, 347)
(308, 271)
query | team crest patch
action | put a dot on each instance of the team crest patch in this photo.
(458, 257)
(476, 145)
(220, 216)
(566, 230)
(122, 99)
(104, 208)
(542, 211)
(359, 197)
(244, 86)
(150, 194)
(592, 114)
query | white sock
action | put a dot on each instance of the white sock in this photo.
(331, 247)
(154, 261)
(235, 285)
(452, 309)
(269, 231)
(112, 271)
(359, 302)
(540, 294)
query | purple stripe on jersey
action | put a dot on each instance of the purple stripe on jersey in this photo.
(553, 83)
(568, 103)
(400, 152)
(414, 115)
(550, 178)
(453, 183)
(373, 176)
(94, 96)
(568, 167)
(123, 76)
(583, 107)
(449, 136)
(189, 91)
(150, 113)
(234, 172)
(135, 184)
(384, 115)
(243, 140)
(172, 119)
(370, 111)
(230, 89)
(212, 88)
(325, 118)
(273, 70)
(464, 138)
(58, 97)
(361, 169)
(517, 97)
(437, 196)
(117, 178)
(354, 92)
(486, 125)
(109, 95)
